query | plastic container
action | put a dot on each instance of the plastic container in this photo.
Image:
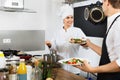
(22, 70)
(2, 60)
(29, 72)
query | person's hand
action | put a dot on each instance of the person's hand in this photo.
(85, 66)
(72, 40)
(87, 44)
(48, 43)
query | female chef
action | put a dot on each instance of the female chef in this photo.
(61, 39)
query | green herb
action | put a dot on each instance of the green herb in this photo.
(65, 62)
(78, 60)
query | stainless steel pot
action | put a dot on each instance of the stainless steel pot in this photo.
(47, 58)
(52, 57)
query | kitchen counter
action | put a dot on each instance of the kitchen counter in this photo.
(62, 74)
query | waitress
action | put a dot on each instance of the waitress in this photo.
(61, 38)
(109, 66)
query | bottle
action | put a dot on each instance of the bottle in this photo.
(22, 70)
(29, 72)
(44, 73)
(47, 70)
(2, 60)
(37, 72)
(13, 71)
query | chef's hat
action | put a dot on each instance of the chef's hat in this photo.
(65, 11)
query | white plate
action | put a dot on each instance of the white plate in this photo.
(64, 60)
(83, 41)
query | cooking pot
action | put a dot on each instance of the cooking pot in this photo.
(47, 58)
(94, 13)
(52, 57)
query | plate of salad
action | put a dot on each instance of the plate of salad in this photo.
(72, 61)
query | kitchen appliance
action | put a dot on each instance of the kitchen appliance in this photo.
(13, 59)
(9, 53)
(94, 13)
(23, 40)
(15, 55)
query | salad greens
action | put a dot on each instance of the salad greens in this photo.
(73, 61)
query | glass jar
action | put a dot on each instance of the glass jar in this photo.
(4, 74)
(37, 72)
(13, 71)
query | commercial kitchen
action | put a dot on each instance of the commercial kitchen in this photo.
(25, 25)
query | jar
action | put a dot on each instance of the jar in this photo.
(4, 74)
(13, 71)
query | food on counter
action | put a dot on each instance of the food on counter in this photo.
(73, 61)
(76, 40)
(49, 78)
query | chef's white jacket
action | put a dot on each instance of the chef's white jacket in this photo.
(60, 42)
